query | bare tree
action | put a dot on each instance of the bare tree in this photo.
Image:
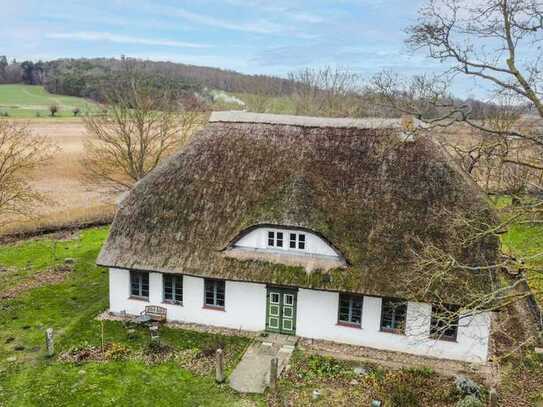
(20, 153)
(498, 43)
(139, 128)
(327, 92)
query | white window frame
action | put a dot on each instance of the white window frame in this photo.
(273, 237)
(297, 241)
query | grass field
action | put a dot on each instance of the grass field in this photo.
(128, 377)
(29, 101)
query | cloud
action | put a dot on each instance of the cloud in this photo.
(260, 26)
(285, 11)
(122, 39)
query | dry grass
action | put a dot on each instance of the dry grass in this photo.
(68, 201)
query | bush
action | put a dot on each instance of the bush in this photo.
(53, 109)
(116, 351)
(470, 401)
(468, 387)
(403, 396)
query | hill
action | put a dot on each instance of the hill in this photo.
(87, 77)
(33, 101)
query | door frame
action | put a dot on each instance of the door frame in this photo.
(286, 294)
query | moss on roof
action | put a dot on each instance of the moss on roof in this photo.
(374, 197)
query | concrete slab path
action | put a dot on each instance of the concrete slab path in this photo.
(252, 374)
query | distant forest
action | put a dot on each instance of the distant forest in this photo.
(87, 77)
(319, 92)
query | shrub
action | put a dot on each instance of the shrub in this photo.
(468, 387)
(470, 401)
(116, 351)
(53, 109)
(403, 396)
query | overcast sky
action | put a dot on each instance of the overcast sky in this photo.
(250, 36)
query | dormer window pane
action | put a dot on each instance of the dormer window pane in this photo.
(293, 240)
(271, 239)
(301, 241)
(279, 239)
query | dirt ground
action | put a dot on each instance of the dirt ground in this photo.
(68, 199)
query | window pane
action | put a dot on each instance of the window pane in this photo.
(279, 239)
(350, 309)
(214, 293)
(292, 240)
(301, 245)
(301, 237)
(271, 239)
(444, 323)
(167, 287)
(134, 284)
(178, 289)
(393, 315)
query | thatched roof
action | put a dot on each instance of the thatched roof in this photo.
(375, 194)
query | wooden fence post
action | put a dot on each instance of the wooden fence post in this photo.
(493, 398)
(50, 341)
(219, 366)
(273, 373)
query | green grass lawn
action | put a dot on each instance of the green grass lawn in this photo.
(30, 101)
(70, 308)
(524, 240)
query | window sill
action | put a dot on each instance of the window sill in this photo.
(347, 325)
(443, 339)
(210, 307)
(392, 331)
(144, 299)
(179, 304)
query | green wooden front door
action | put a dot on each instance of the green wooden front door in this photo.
(281, 310)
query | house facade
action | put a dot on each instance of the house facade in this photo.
(301, 226)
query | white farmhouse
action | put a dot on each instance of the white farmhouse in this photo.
(310, 227)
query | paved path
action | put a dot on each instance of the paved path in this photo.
(252, 374)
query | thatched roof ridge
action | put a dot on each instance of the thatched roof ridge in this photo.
(305, 121)
(372, 195)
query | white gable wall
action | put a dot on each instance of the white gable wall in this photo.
(258, 239)
(317, 317)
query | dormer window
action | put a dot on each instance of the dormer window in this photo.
(275, 239)
(286, 240)
(286, 244)
(297, 241)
